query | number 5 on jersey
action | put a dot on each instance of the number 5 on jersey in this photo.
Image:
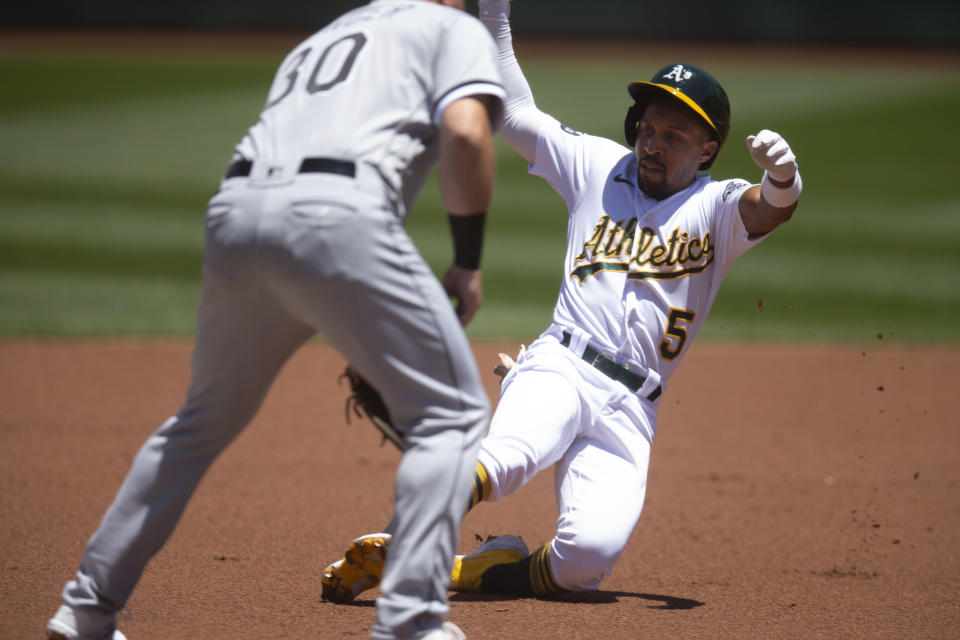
(676, 332)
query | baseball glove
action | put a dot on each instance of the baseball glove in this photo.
(366, 400)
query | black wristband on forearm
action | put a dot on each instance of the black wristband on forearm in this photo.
(467, 234)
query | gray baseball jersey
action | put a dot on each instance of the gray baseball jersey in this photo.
(370, 87)
(305, 235)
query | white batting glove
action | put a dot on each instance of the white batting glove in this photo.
(772, 154)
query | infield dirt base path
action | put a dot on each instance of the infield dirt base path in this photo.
(806, 492)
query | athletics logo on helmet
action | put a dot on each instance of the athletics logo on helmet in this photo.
(693, 86)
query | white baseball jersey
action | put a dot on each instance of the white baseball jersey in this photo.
(370, 88)
(640, 274)
(639, 278)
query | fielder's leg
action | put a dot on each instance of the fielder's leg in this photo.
(242, 341)
(385, 311)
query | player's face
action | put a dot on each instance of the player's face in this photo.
(671, 145)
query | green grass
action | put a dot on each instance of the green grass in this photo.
(108, 163)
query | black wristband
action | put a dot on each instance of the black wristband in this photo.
(467, 231)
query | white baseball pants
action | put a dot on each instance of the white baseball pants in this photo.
(556, 409)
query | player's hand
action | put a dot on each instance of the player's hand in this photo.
(466, 286)
(772, 153)
(506, 363)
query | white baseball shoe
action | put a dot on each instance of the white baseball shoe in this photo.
(65, 625)
(448, 631)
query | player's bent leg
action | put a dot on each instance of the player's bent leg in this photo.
(536, 420)
(582, 563)
(601, 487)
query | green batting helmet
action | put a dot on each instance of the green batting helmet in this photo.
(695, 88)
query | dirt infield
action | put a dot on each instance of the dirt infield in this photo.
(794, 493)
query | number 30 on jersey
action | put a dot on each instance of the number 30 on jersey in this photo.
(320, 79)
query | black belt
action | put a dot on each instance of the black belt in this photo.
(607, 366)
(242, 168)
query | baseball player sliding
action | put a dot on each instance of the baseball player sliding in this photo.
(306, 235)
(649, 241)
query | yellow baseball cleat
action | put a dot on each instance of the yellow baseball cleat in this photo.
(468, 570)
(359, 570)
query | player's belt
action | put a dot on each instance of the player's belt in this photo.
(608, 367)
(242, 168)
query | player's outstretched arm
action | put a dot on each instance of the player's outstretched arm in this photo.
(466, 171)
(522, 119)
(766, 206)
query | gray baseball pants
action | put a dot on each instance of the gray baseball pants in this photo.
(283, 262)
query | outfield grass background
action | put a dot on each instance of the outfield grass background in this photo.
(110, 156)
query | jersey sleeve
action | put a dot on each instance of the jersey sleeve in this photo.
(732, 239)
(464, 64)
(567, 159)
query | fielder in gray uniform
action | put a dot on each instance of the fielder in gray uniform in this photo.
(306, 235)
